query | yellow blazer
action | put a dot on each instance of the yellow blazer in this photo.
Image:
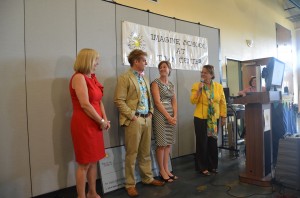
(128, 95)
(201, 101)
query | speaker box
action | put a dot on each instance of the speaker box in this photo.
(287, 170)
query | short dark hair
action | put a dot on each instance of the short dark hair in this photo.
(135, 54)
(169, 66)
(251, 80)
(210, 69)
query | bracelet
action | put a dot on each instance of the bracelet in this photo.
(102, 121)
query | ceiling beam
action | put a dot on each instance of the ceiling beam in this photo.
(296, 3)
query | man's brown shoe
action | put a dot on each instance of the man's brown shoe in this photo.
(156, 182)
(132, 192)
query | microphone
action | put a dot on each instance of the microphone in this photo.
(202, 83)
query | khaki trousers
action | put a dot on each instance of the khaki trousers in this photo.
(137, 146)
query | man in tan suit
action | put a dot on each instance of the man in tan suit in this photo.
(133, 99)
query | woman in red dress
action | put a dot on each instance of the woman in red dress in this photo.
(88, 121)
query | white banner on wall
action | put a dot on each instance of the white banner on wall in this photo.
(183, 51)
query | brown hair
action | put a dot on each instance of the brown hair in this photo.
(251, 80)
(85, 60)
(210, 69)
(135, 55)
(169, 66)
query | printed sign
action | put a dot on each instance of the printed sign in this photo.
(183, 51)
(112, 168)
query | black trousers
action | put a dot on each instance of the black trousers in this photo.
(206, 147)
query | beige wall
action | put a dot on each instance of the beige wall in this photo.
(237, 20)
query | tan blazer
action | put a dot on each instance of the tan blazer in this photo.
(128, 95)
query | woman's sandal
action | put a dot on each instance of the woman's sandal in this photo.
(169, 180)
(205, 173)
(174, 177)
(215, 171)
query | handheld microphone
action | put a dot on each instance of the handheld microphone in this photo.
(200, 88)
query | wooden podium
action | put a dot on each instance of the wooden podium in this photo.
(258, 136)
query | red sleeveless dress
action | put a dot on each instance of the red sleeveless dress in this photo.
(86, 134)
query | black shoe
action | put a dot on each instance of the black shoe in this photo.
(168, 180)
(174, 177)
(215, 171)
(205, 173)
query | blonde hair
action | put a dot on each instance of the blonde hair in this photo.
(85, 60)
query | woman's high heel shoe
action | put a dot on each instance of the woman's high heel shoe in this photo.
(215, 171)
(205, 173)
(174, 177)
(169, 180)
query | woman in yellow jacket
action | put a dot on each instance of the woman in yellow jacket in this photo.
(208, 96)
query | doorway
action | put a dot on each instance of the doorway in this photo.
(233, 76)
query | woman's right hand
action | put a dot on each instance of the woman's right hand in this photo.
(200, 87)
(108, 125)
(242, 93)
(199, 91)
(105, 125)
(171, 120)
